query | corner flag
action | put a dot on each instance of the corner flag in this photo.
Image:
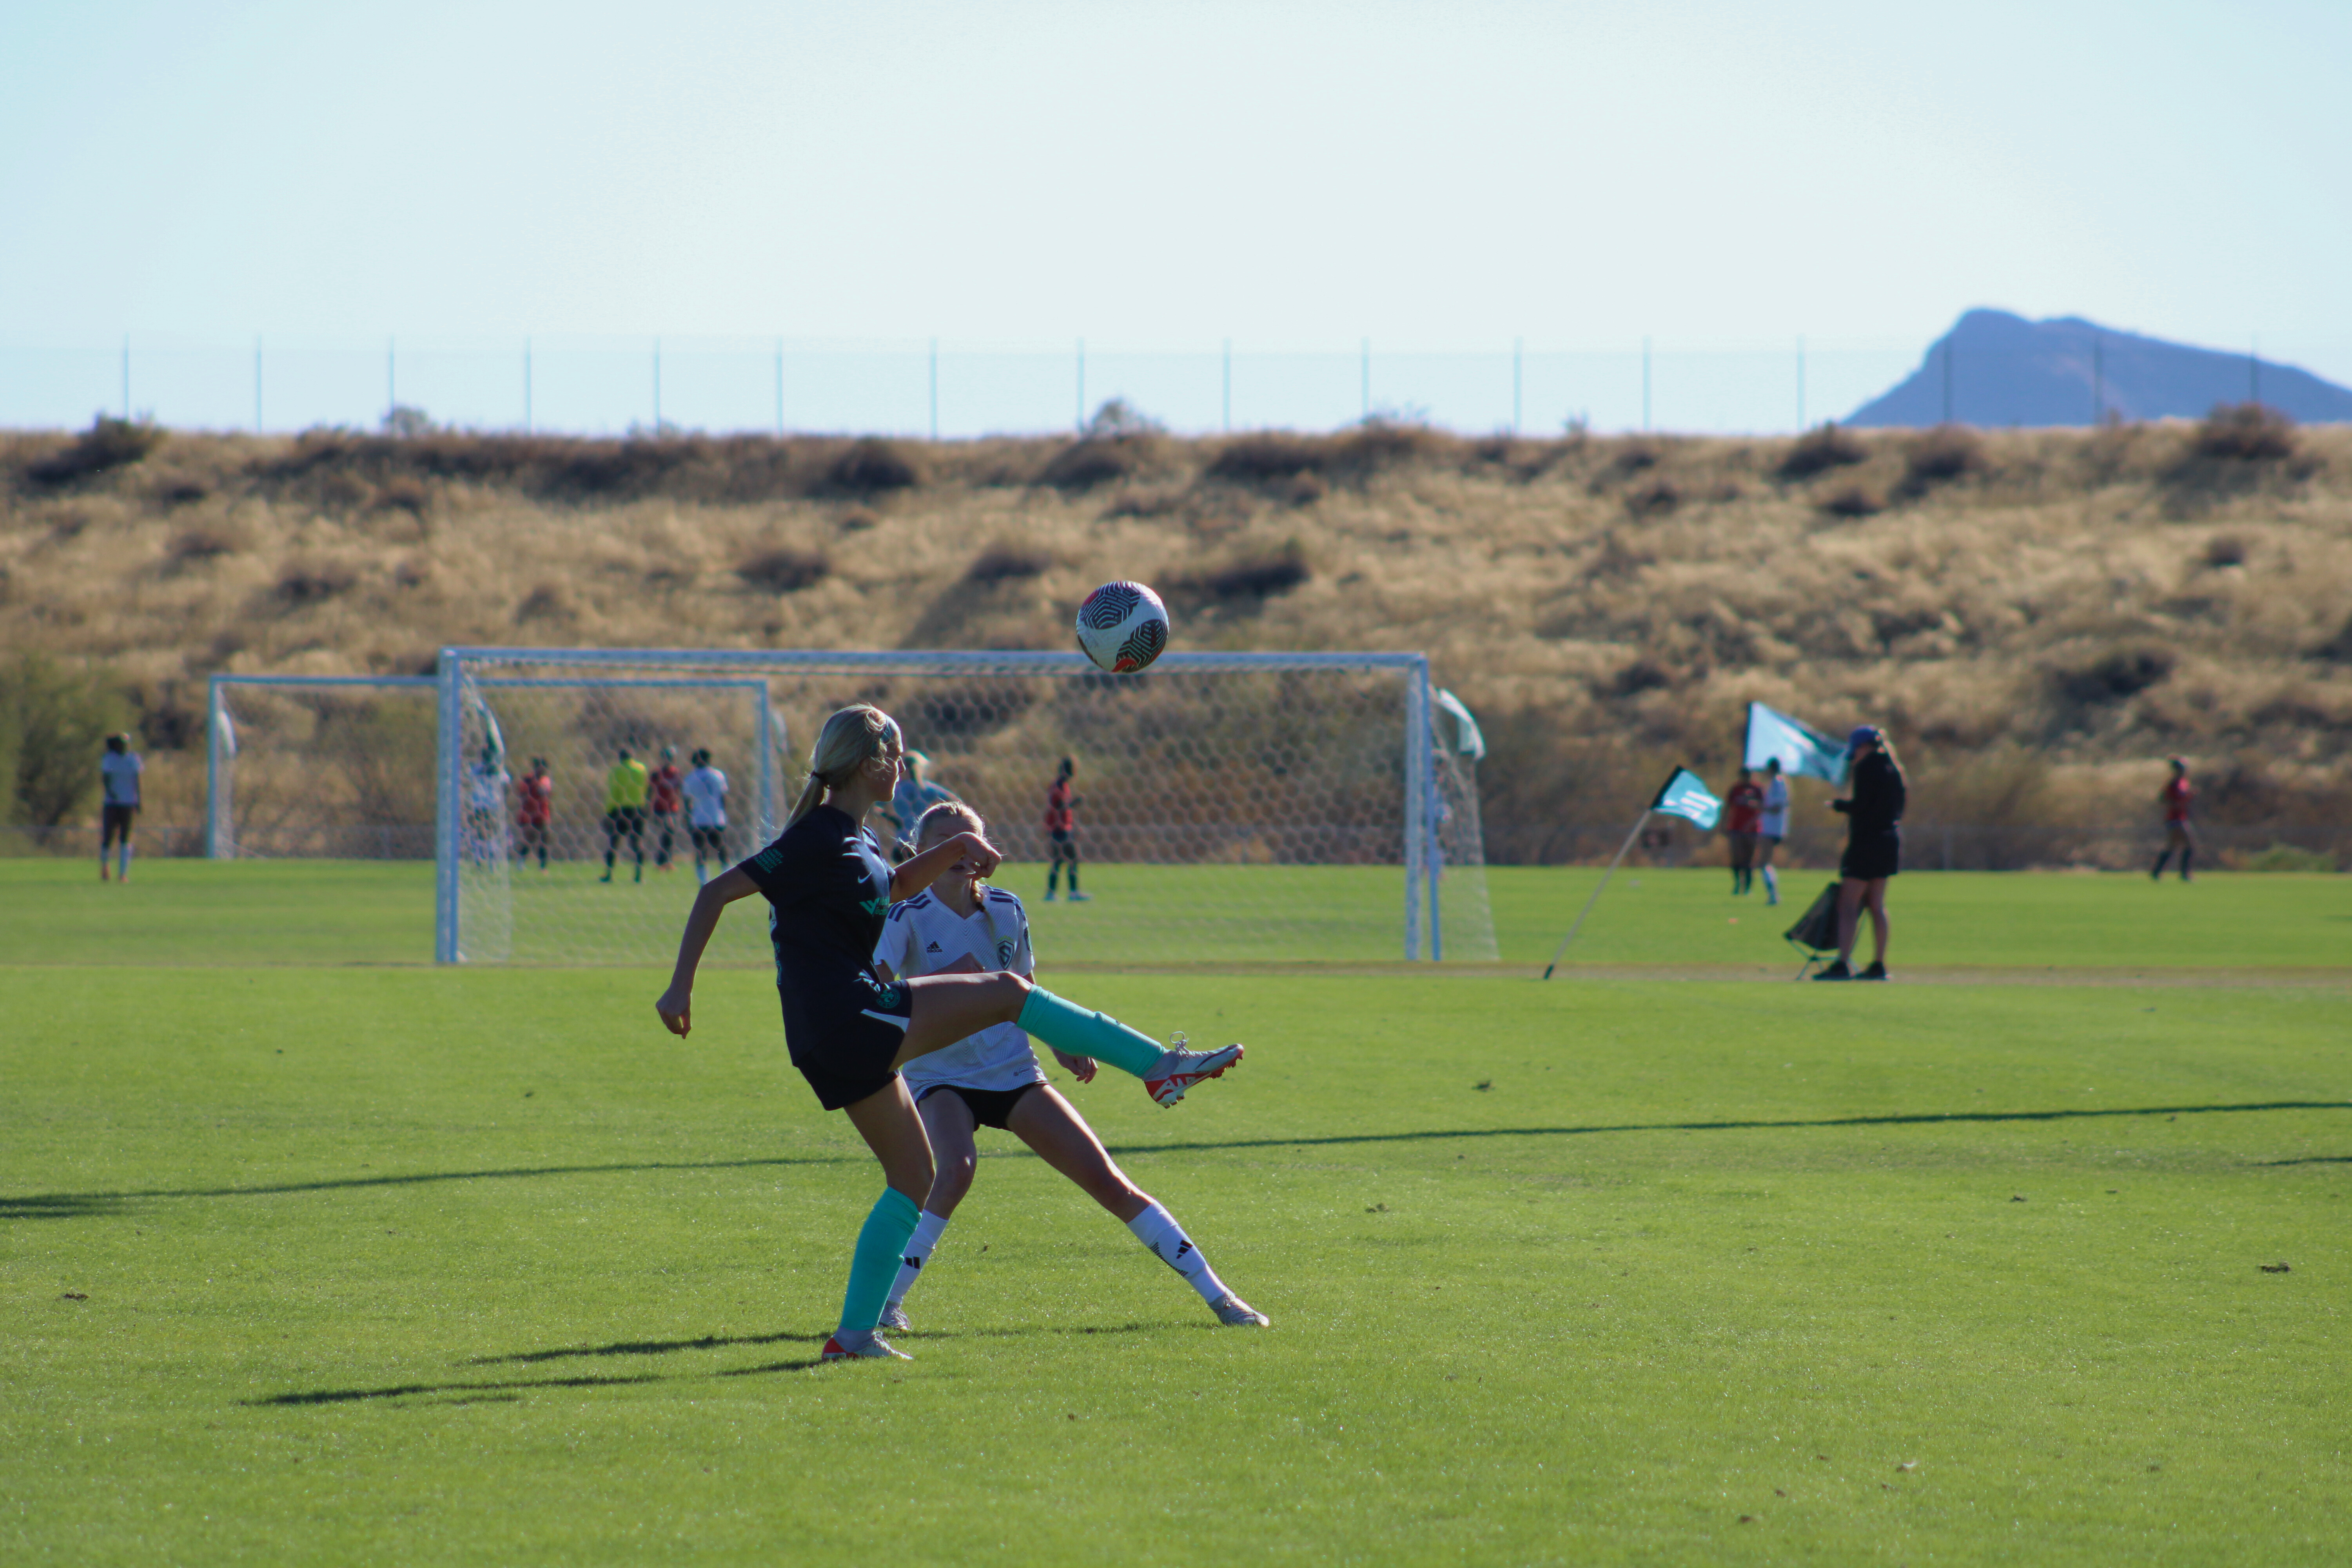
(1803, 751)
(1686, 797)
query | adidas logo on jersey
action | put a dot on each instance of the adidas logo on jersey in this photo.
(931, 947)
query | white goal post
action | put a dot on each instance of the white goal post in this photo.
(1231, 807)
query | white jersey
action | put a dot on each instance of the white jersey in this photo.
(1774, 823)
(485, 787)
(706, 797)
(120, 772)
(923, 936)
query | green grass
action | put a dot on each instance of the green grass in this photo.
(399, 1265)
(194, 912)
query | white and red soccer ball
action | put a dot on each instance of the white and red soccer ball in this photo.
(1122, 626)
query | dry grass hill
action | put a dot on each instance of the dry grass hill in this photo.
(2038, 617)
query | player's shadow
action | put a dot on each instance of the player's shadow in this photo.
(72, 1205)
(639, 1347)
(1927, 1119)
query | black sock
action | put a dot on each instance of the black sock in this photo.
(2157, 870)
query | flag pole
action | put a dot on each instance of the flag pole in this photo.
(1623, 850)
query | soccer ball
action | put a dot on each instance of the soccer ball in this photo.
(1122, 626)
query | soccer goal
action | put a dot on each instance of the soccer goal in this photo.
(320, 766)
(1231, 807)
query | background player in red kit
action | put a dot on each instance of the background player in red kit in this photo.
(534, 809)
(663, 799)
(2176, 795)
(1743, 807)
(1061, 829)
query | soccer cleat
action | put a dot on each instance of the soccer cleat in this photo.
(853, 1346)
(1236, 1313)
(1875, 971)
(1049, 895)
(1837, 971)
(1078, 898)
(1179, 1069)
(893, 1318)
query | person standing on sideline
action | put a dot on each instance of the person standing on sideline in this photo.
(1061, 829)
(662, 798)
(1743, 806)
(1874, 849)
(706, 813)
(1771, 826)
(2176, 795)
(534, 809)
(624, 812)
(118, 770)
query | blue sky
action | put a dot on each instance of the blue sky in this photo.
(1439, 177)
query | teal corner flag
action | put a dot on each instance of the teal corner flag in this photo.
(1685, 796)
(1803, 751)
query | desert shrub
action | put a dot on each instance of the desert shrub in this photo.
(1852, 502)
(2244, 431)
(785, 571)
(198, 545)
(2337, 649)
(1938, 456)
(107, 444)
(2114, 676)
(1634, 458)
(1380, 444)
(1146, 503)
(53, 723)
(2224, 550)
(1008, 563)
(1642, 675)
(548, 601)
(314, 581)
(183, 492)
(875, 464)
(1655, 498)
(1256, 576)
(1269, 456)
(2283, 857)
(405, 422)
(1120, 420)
(1094, 460)
(403, 492)
(1819, 450)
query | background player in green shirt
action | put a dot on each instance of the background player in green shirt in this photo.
(624, 812)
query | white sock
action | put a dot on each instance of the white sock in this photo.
(123, 862)
(928, 1226)
(1158, 1229)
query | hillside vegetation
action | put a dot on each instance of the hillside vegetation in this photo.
(2039, 618)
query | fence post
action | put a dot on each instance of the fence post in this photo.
(1227, 405)
(1519, 346)
(1645, 385)
(450, 740)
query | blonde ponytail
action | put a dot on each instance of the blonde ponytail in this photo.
(850, 738)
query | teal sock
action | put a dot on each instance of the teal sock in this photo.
(1066, 1026)
(875, 1264)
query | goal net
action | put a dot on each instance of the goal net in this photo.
(333, 767)
(1231, 807)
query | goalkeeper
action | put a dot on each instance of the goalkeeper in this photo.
(829, 891)
(963, 925)
(624, 812)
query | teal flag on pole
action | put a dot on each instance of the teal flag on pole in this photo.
(1803, 751)
(1686, 797)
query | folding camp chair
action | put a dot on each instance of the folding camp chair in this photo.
(1816, 934)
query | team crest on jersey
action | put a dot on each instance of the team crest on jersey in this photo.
(1004, 951)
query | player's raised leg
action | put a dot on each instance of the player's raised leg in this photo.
(945, 1008)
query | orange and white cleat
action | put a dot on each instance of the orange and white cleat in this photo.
(1179, 1069)
(854, 1346)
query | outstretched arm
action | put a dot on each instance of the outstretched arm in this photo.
(919, 871)
(676, 1005)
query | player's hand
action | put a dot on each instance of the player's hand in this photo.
(677, 1010)
(1082, 1068)
(976, 857)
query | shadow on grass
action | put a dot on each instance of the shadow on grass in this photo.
(642, 1347)
(72, 1205)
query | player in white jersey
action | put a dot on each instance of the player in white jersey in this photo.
(706, 813)
(1772, 827)
(992, 1079)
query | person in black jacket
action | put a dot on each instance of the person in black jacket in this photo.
(1874, 851)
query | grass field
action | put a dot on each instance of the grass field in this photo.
(387, 1264)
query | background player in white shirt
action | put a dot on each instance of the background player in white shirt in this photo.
(992, 1079)
(706, 813)
(1772, 827)
(117, 770)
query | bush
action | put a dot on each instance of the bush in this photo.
(1268, 457)
(53, 724)
(1008, 563)
(1378, 444)
(1853, 502)
(785, 571)
(2284, 858)
(2223, 550)
(1250, 577)
(107, 444)
(2245, 432)
(1118, 420)
(1655, 498)
(199, 545)
(1818, 451)
(1946, 453)
(1084, 464)
(315, 581)
(873, 464)
(2114, 676)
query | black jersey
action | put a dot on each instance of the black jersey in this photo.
(828, 890)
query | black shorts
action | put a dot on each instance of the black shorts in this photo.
(623, 819)
(844, 1037)
(1869, 857)
(1058, 834)
(990, 1107)
(706, 837)
(114, 822)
